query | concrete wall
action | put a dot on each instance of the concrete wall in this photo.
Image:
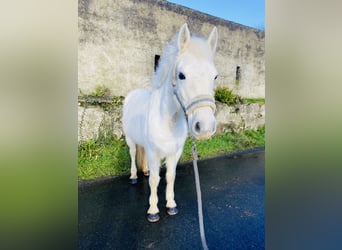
(118, 40)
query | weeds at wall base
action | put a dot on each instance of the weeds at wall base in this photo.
(109, 155)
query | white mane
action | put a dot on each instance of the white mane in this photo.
(165, 65)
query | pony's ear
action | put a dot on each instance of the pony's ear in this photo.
(212, 39)
(183, 37)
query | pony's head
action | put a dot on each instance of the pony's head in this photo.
(194, 74)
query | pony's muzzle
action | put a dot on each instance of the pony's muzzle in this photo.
(203, 127)
(201, 133)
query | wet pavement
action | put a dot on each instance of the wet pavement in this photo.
(112, 212)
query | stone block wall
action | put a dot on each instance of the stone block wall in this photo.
(118, 43)
(95, 121)
(119, 39)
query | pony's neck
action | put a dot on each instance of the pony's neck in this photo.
(169, 107)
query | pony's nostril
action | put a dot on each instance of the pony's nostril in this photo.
(197, 127)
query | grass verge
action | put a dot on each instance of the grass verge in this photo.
(110, 156)
(226, 143)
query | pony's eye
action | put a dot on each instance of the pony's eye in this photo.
(215, 77)
(181, 76)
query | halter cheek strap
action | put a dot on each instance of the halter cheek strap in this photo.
(197, 102)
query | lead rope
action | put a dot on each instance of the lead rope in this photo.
(197, 181)
(199, 195)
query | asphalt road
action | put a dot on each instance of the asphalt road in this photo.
(112, 212)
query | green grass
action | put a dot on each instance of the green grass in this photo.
(226, 143)
(96, 159)
(110, 156)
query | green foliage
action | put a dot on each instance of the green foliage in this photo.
(100, 98)
(110, 156)
(225, 95)
(118, 100)
(100, 91)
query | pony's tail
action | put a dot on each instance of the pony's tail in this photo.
(142, 160)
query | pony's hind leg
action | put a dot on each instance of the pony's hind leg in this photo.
(132, 152)
(142, 160)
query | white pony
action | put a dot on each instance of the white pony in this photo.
(156, 121)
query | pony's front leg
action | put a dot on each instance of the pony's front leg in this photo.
(154, 164)
(171, 164)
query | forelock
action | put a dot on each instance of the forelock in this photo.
(200, 48)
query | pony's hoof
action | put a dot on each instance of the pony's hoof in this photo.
(153, 217)
(147, 173)
(172, 211)
(134, 181)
